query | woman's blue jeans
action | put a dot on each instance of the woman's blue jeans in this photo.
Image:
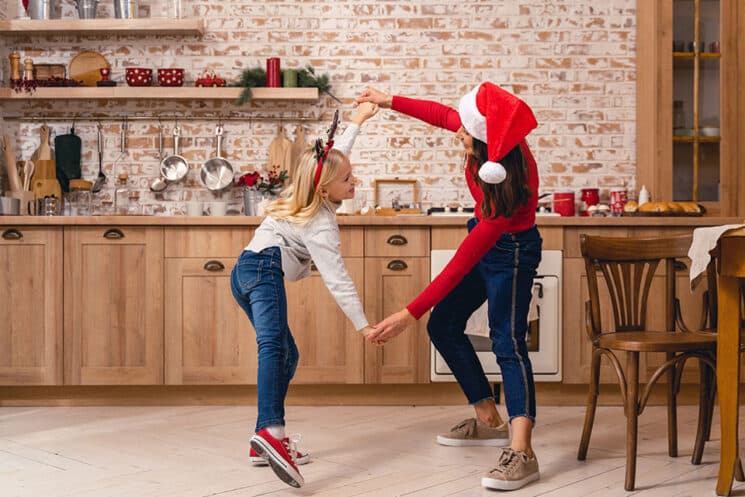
(257, 282)
(504, 278)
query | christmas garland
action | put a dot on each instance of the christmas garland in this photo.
(256, 78)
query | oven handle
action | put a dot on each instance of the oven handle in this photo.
(540, 287)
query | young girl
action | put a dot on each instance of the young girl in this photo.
(496, 262)
(299, 228)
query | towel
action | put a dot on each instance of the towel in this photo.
(704, 241)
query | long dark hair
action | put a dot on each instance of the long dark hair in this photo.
(503, 198)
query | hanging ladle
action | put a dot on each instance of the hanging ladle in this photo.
(159, 184)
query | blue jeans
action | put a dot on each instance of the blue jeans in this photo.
(257, 282)
(504, 278)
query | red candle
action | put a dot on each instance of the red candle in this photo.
(272, 72)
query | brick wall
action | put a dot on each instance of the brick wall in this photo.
(571, 60)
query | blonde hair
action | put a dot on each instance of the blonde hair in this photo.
(301, 201)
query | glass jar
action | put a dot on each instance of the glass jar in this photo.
(134, 208)
(121, 196)
(78, 199)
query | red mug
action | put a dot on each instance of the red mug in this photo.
(617, 201)
(564, 202)
(588, 196)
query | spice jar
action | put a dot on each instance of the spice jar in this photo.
(78, 199)
(134, 208)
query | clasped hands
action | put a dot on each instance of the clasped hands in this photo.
(389, 328)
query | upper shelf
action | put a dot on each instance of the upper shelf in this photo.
(157, 93)
(104, 26)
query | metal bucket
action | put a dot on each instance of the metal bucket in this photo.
(126, 9)
(87, 9)
(42, 9)
(10, 206)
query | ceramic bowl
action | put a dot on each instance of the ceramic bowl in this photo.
(139, 76)
(172, 76)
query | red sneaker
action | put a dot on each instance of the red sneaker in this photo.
(277, 454)
(257, 460)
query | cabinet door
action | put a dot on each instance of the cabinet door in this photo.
(113, 305)
(331, 351)
(390, 284)
(31, 306)
(209, 339)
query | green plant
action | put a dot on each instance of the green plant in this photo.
(256, 77)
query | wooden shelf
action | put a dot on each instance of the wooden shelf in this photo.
(700, 139)
(157, 93)
(103, 26)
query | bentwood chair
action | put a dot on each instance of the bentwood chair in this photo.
(627, 267)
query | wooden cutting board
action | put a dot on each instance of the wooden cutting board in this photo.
(44, 151)
(280, 152)
(86, 66)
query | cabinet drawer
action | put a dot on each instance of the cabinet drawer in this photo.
(397, 242)
(200, 241)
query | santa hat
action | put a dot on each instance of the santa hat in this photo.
(499, 119)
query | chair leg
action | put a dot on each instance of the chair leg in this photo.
(632, 417)
(592, 404)
(704, 397)
(712, 389)
(739, 475)
(672, 412)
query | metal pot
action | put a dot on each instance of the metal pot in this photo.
(217, 173)
(10, 206)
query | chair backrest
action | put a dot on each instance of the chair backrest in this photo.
(628, 266)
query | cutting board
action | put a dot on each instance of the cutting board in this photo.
(280, 151)
(86, 66)
(44, 151)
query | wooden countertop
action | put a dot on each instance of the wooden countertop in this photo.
(568, 222)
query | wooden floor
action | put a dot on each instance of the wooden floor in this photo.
(357, 451)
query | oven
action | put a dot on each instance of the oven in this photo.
(544, 332)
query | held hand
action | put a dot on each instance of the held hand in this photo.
(364, 112)
(375, 96)
(393, 325)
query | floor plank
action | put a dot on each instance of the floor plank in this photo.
(385, 451)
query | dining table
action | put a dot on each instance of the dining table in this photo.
(731, 249)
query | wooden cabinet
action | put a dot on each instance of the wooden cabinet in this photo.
(689, 76)
(396, 271)
(331, 350)
(31, 309)
(113, 295)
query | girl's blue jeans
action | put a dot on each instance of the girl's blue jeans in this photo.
(504, 278)
(257, 282)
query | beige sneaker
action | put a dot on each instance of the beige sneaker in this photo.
(514, 470)
(473, 432)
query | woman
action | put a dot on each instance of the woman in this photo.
(496, 262)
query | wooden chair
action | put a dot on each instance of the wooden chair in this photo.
(627, 266)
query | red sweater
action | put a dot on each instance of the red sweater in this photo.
(487, 231)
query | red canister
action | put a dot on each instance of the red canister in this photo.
(272, 72)
(564, 202)
(588, 197)
(617, 201)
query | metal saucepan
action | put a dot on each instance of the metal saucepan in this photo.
(217, 173)
(174, 167)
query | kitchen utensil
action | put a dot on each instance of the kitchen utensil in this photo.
(44, 151)
(46, 188)
(138, 76)
(126, 9)
(42, 9)
(87, 8)
(10, 165)
(280, 152)
(173, 76)
(174, 167)
(27, 201)
(47, 71)
(101, 179)
(159, 184)
(48, 206)
(564, 202)
(85, 67)
(217, 173)
(67, 156)
(28, 172)
(10, 206)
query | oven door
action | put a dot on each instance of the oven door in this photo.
(544, 335)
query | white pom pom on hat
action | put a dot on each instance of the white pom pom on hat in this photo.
(499, 119)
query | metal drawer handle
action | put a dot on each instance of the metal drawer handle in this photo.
(12, 234)
(214, 266)
(113, 234)
(397, 240)
(397, 265)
